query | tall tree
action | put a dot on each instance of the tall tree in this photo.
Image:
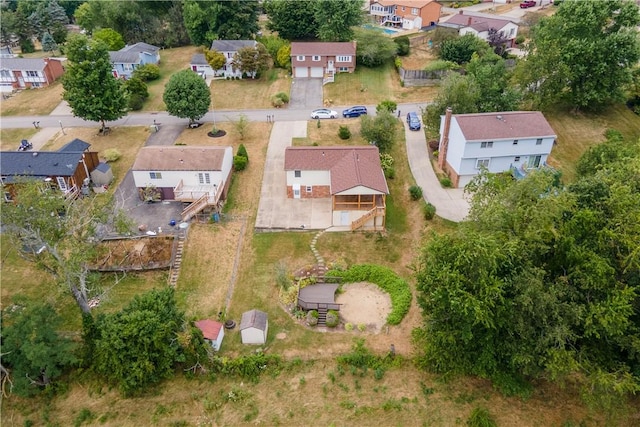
(583, 55)
(110, 37)
(89, 86)
(67, 231)
(251, 60)
(292, 19)
(48, 43)
(187, 96)
(199, 20)
(380, 130)
(373, 48)
(32, 349)
(336, 19)
(237, 19)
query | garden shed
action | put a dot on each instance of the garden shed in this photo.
(254, 327)
(212, 331)
(102, 174)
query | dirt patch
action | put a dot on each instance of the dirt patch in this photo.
(146, 253)
(364, 304)
(418, 58)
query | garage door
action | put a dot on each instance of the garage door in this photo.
(316, 72)
(302, 72)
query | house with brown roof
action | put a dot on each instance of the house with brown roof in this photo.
(519, 141)
(351, 176)
(479, 25)
(200, 175)
(406, 14)
(21, 73)
(322, 59)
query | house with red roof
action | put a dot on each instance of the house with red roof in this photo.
(322, 59)
(519, 141)
(406, 14)
(212, 331)
(351, 176)
(479, 25)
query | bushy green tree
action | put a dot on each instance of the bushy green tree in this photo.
(147, 72)
(110, 37)
(206, 20)
(187, 96)
(387, 105)
(403, 45)
(291, 19)
(336, 19)
(379, 130)
(251, 60)
(461, 49)
(33, 351)
(89, 86)
(583, 55)
(373, 48)
(137, 92)
(215, 59)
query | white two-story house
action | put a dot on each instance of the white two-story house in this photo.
(501, 141)
(228, 48)
(479, 25)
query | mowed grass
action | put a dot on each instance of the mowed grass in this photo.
(32, 102)
(10, 138)
(373, 85)
(578, 132)
(249, 94)
(171, 61)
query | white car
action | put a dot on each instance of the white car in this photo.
(324, 113)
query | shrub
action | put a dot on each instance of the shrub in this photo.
(344, 132)
(387, 280)
(390, 173)
(147, 72)
(239, 163)
(415, 192)
(520, 39)
(242, 151)
(480, 417)
(397, 62)
(283, 96)
(446, 182)
(312, 318)
(277, 102)
(135, 102)
(362, 327)
(332, 318)
(387, 105)
(402, 45)
(429, 211)
(348, 327)
(436, 153)
(111, 155)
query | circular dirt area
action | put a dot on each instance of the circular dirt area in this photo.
(217, 134)
(364, 303)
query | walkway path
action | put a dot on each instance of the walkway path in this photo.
(450, 203)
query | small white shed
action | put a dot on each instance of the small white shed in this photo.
(254, 327)
(212, 331)
(102, 174)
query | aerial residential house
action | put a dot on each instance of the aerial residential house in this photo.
(254, 327)
(351, 176)
(406, 14)
(197, 175)
(519, 141)
(228, 48)
(67, 169)
(129, 58)
(479, 25)
(322, 59)
(21, 73)
(212, 331)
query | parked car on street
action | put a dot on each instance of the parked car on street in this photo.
(324, 113)
(413, 120)
(527, 4)
(356, 111)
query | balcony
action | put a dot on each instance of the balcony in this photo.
(191, 193)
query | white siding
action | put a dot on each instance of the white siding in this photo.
(309, 178)
(358, 190)
(172, 178)
(456, 147)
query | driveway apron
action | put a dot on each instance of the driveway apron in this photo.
(306, 93)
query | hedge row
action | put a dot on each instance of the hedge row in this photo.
(387, 280)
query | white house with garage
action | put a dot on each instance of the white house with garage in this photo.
(512, 140)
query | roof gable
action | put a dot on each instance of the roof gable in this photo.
(503, 125)
(180, 158)
(349, 166)
(254, 319)
(199, 59)
(77, 145)
(210, 328)
(141, 47)
(323, 48)
(121, 57)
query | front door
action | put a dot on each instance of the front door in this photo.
(296, 191)
(344, 218)
(330, 65)
(534, 161)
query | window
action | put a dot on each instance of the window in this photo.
(229, 55)
(482, 163)
(515, 142)
(5, 73)
(539, 141)
(512, 32)
(32, 74)
(343, 58)
(155, 175)
(516, 159)
(414, 11)
(300, 57)
(316, 57)
(62, 183)
(204, 178)
(343, 69)
(309, 189)
(297, 174)
(486, 144)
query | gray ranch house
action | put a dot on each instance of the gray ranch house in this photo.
(129, 58)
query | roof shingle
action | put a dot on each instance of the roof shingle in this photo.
(179, 158)
(503, 125)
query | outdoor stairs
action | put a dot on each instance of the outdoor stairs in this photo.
(364, 218)
(322, 317)
(174, 272)
(195, 207)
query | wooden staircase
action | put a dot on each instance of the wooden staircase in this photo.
(174, 271)
(322, 316)
(377, 211)
(195, 207)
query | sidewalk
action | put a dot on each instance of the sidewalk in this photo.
(450, 203)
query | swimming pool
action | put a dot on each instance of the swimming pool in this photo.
(385, 30)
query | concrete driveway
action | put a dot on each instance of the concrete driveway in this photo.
(306, 93)
(275, 210)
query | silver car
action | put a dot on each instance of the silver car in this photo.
(324, 113)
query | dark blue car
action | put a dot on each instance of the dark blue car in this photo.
(356, 111)
(413, 120)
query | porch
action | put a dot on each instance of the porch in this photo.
(191, 193)
(365, 211)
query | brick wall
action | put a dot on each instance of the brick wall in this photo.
(317, 192)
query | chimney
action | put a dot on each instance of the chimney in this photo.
(444, 141)
(469, 21)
